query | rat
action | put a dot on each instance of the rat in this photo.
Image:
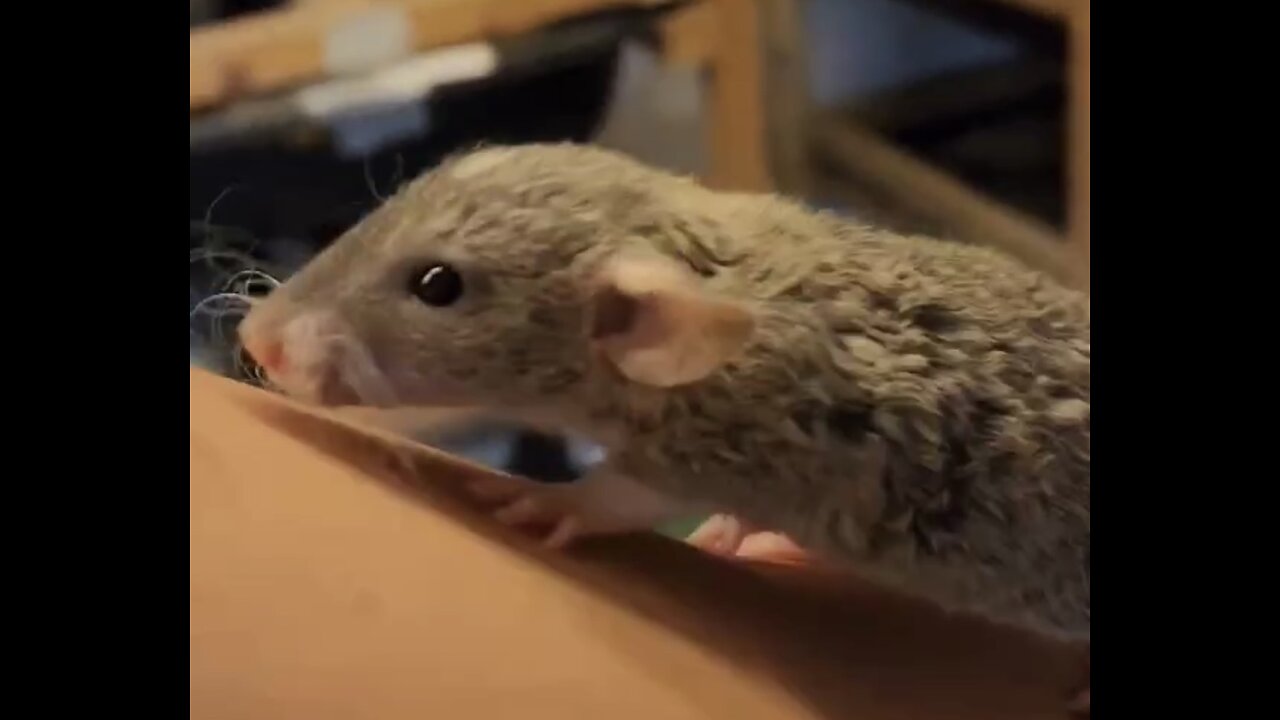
(914, 409)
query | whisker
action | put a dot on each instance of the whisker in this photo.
(397, 176)
(218, 307)
(225, 298)
(208, 213)
(368, 179)
(247, 279)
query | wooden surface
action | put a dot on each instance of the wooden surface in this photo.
(788, 107)
(752, 139)
(1050, 9)
(689, 36)
(735, 94)
(725, 39)
(963, 212)
(1078, 141)
(336, 575)
(271, 51)
(955, 95)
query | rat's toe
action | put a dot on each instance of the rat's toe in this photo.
(719, 535)
(521, 511)
(772, 546)
(565, 532)
(493, 489)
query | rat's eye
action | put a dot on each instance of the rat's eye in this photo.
(439, 285)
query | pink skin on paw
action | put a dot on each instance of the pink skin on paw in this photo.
(524, 504)
(720, 535)
(604, 503)
(599, 504)
(772, 546)
(729, 536)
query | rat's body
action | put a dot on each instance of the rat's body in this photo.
(917, 410)
(928, 430)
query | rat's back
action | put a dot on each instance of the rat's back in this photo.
(917, 407)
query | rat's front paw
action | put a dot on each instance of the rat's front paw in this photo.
(721, 535)
(544, 508)
(601, 503)
(730, 536)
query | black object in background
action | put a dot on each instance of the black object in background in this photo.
(541, 457)
(208, 11)
(307, 193)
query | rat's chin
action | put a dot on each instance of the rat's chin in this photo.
(347, 384)
(338, 385)
(326, 391)
(338, 394)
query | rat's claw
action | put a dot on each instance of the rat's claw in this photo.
(538, 510)
(602, 503)
(521, 511)
(730, 536)
(564, 533)
(495, 489)
(720, 535)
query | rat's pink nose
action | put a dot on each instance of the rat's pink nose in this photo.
(267, 352)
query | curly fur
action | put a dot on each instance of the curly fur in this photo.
(915, 408)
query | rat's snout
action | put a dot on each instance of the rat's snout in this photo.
(294, 348)
(312, 355)
(265, 350)
(293, 345)
(264, 342)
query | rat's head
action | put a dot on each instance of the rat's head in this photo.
(508, 277)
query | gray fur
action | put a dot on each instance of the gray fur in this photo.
(915, 408)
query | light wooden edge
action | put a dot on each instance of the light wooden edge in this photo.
(268, 52)
(725, 38)
(788, 104)
(1049, 9)
(735, 100)
(933, 193)
(689, 36)
(955, 95)
(1078, 141)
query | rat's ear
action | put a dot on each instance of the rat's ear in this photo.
(651, 319)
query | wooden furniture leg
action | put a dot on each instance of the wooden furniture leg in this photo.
(1078, 142)
(788, 113)
(735, 107)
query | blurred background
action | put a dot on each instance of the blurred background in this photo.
(964, 119)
